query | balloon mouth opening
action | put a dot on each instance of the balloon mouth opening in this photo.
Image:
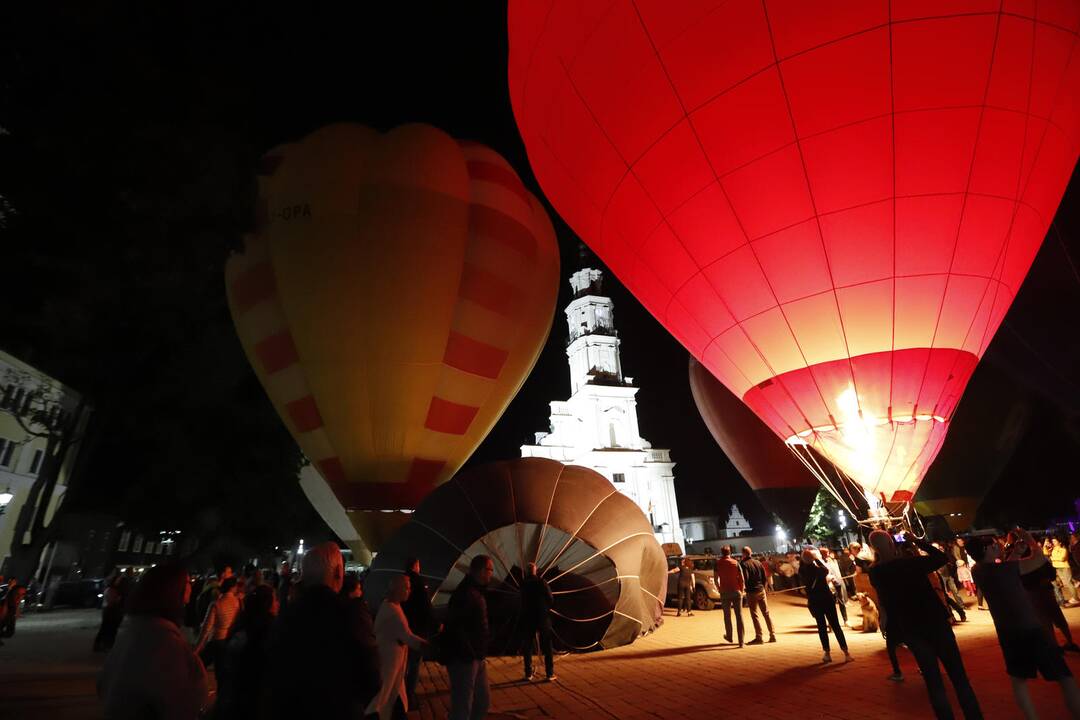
(584, 583)
(855, 426)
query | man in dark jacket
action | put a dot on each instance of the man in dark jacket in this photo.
(417, 609)
(918, 618)
(536, 604)
(465, 643)
(756, 580)
(314, 655)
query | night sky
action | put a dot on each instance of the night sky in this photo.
(250, 78)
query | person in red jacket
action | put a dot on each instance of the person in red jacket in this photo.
(731, 584)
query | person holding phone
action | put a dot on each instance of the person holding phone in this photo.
(1025, 645)
(917, 617)
(821, 602)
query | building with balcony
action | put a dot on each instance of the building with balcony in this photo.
(30, 400)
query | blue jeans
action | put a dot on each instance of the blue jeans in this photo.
(469, 693)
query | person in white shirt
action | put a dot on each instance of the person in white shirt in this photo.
(394, 638)
(836, 580)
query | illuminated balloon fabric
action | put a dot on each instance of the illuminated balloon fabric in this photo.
(831, 208)
(593, 544)
(396, 294)
(779, 480)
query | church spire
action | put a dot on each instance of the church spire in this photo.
(593, 346)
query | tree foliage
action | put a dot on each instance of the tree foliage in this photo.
(823, 525)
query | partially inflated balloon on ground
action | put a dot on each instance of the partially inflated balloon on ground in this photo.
(591, 543)
(779, 480)
(830, 205)
(395, 295)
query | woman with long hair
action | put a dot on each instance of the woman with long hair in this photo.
(152, 670)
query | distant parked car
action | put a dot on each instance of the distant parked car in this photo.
(86, 593)
(706, 595)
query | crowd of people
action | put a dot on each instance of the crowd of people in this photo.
(295, 645)
(306, 643)
(913, 592)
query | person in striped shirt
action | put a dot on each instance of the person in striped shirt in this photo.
(218, 622)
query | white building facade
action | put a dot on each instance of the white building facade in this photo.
(597, 427)
(24, 391)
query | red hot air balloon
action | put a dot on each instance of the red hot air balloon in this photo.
(780, 481)
(830, 205)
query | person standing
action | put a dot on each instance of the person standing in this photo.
(218, 622)
(112, 614)
(536, 604)
(730, 583)
(755, 579)
(361, 627)
(395, 641)
(417, 608)
(465, 642)
(836, 580)
(313, 657)
(960, 561)
(243, 662)
(684, 586)
(948, 587)
(1074, 552)
(1059, 556)
(1037, 576)
(1026, 647)
(917, 618)
(820, 601)
(211, 592)
(283, 582)
(152, 670)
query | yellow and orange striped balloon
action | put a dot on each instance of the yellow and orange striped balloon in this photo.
(396, 294)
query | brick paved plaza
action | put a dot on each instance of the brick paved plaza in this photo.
(681, 672)
(47, 671)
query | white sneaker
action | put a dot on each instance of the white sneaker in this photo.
(826, 658)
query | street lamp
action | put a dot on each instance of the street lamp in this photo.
(5, 498)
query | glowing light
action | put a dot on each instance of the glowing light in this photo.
(861, 460)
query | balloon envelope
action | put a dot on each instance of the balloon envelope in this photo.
(780, 481)
(396, 294)
(591, 543)
(831, 207)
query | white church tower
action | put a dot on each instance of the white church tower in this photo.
(598, 426)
